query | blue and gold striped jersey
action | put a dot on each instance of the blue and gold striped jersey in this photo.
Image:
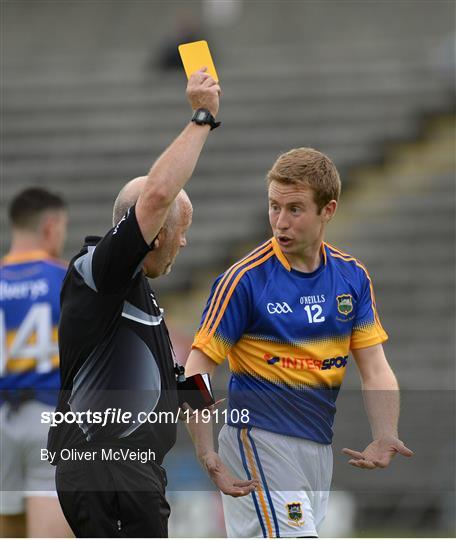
(287, 335)
(30, 286)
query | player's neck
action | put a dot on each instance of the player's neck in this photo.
(308, 261)
(24, 243)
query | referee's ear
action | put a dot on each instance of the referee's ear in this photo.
(159, 238)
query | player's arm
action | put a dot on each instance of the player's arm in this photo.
(381, 401)
(174, 167)
(203, 438)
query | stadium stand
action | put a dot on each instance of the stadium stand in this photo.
(85, 122)
(82, 114)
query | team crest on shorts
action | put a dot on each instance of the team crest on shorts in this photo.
(295, 513)
(344, 304)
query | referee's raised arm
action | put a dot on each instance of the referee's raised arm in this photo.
(174, 167)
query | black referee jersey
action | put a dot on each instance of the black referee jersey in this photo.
(115, 352)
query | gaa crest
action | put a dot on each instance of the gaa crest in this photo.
(344, 304)
(295, 512)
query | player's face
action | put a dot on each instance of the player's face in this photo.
(160, 261)
(296, 223)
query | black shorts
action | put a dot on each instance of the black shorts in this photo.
(113, 499)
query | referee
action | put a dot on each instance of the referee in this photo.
(115, 353)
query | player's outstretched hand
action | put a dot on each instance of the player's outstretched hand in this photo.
(378, 454)
(203, 92)
(223, 479)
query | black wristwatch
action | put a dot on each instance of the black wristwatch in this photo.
(203, 117)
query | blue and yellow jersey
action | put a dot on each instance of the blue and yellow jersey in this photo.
(287, 335)
(30, 286)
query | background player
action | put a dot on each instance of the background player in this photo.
(286, 316)
(31, 279)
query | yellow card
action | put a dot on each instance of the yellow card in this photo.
(196, 55)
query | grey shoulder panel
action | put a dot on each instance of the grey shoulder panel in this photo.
(135, 314)
(83, 266)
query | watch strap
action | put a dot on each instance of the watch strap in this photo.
(204, 117)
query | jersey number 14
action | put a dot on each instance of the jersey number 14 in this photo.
(33, 339)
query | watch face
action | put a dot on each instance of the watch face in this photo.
(201, 116)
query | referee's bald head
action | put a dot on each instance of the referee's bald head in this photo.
(129, 194)
(127, 197)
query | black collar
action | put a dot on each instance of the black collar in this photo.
(91, 240)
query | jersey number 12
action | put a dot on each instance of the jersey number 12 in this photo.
(314, 313)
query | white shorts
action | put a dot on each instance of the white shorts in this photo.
(22, 472)
(295, 478)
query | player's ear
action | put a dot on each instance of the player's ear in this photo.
(329, 210)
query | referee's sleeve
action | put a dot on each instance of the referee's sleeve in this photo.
(119, 255)
(224, 318)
